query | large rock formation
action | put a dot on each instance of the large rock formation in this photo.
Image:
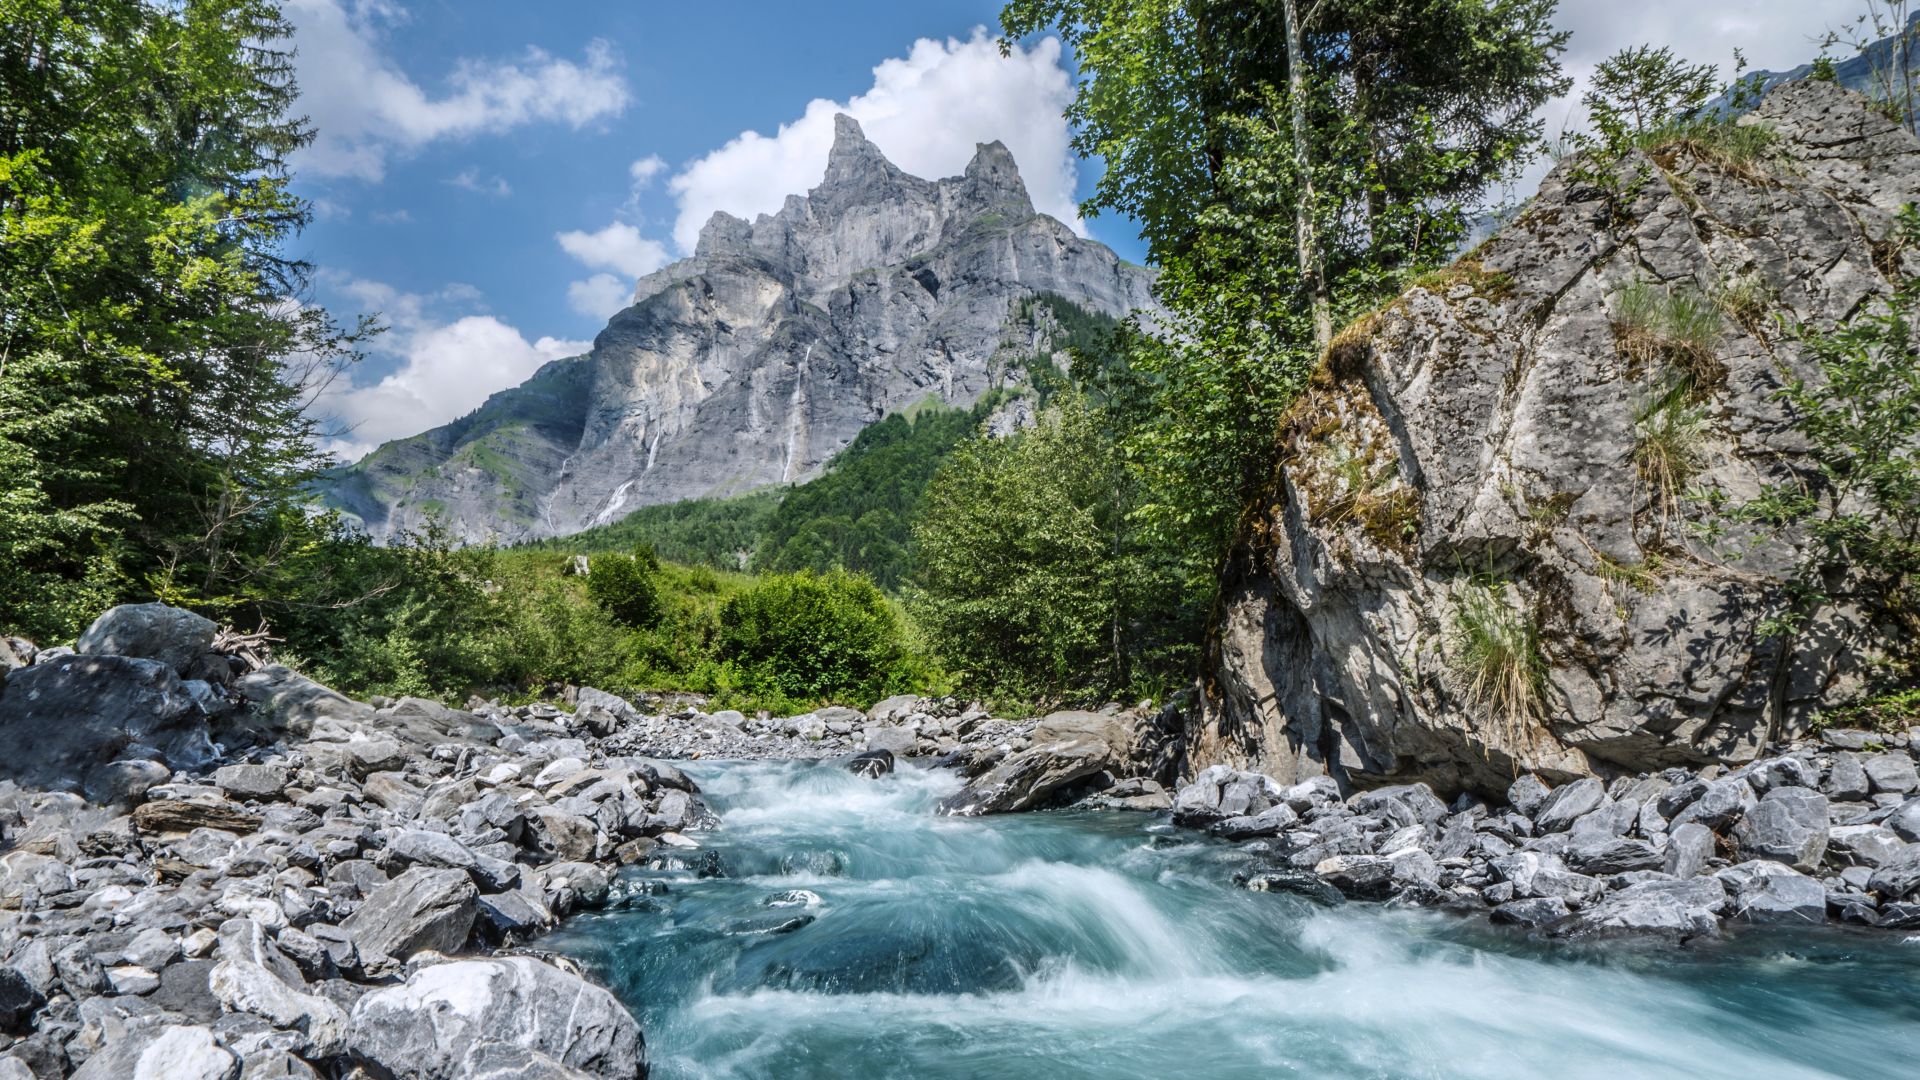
(1475, 454)
(756, 360)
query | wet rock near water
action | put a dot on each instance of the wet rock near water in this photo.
(1790, 840)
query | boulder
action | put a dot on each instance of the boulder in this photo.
(1719, 806)
(1679, 908)
(420, 909)
(1568, 803)
(1065, 748)
(1527, 793)
(449, 1016)
(290, 702)
(184, 816)
(1688, 849)
(898, 740)
(873, 764)
(245, 987)
(155, 632)
(257, 782)
(1534, 911)
(1781, 897)
(1863, 845)
(1789, 825)
(1891, 774)
(1905, 820)
(19, 1000)
(1514, 455)
(1898, 876)
(161, 1053)
(63, 718)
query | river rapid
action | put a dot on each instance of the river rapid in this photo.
(857, 935)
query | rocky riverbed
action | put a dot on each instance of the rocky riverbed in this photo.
(216, 868)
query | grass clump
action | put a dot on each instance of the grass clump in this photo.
(1498, 654)
(1746, 299)
(1670, 431)
(1676, 327)
(1643, 576)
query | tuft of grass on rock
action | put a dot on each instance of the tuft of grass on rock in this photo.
(1498, 655)
(1670, 431)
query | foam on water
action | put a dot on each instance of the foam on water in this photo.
(1063, 946)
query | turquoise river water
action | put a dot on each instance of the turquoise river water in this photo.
(1063, 946)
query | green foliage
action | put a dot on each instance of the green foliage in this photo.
(624, 586)
(721, 533)
(1497, 653)
(1414, 108)
(153, 367)
(815, 636)
(1033, 580)
(1860, 507)
(1641, 90)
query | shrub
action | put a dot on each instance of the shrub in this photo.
(1497, 650)
(814, 636)
(625, 587)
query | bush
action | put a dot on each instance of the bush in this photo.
(625, 587)
(814, 636)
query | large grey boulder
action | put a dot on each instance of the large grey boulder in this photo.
(421, 909)
(161, 1053)
(169, 635)
(1782, 896)
(62, 719)
(242, 986)
(1568, 803)
(1678, 908)
(289, 701)
(1495, 416)
(1789, 825)
(1066, 747)
(1898, 876)
(450, 1020)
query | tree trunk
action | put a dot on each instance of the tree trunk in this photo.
(1304, 229)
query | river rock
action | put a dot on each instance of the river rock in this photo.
(256, 782)
(1680, 908)
(1688, 849)
(1534, 911)
(242, 986)
(1892, 774)
(1846, 780)
(1789, 825)
(449, 1016)
(164, 1053)
(1719, 806)
(872, 764)
(1898, 876)
(19, 1000)
(898, 740)
(1863, 845)
(1527, 793)
(1568, 803)
(1780, 896)
(420, 909)
(1066, 747)
(155, 632)
(61, 719)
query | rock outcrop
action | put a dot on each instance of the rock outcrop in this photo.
(757, 359)
(1475, 457)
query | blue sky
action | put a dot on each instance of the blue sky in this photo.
(492, 176)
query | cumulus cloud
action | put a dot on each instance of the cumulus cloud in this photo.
(472, 180)
(619, 247)
(599, 296)
(925, 111)
(644, 170)
(366, 109)
(447, 366)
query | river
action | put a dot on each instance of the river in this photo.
(856, 936)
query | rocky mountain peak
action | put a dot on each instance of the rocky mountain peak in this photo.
(854, 160)
(992, 184)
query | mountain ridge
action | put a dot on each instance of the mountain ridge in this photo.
(754, 360)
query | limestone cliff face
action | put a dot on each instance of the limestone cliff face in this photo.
(754, 361)
(1476, 444)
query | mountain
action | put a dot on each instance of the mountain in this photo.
(753, 362)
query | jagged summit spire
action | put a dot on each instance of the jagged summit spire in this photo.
(853, 155)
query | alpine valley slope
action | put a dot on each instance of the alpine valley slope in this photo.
(755, 361)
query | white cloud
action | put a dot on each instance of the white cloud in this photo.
(446, 366)
(392, 217)
(925, 111)
(366, 108)
(599, 296)
(619, 247)
(471, 180)
(644, 170)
